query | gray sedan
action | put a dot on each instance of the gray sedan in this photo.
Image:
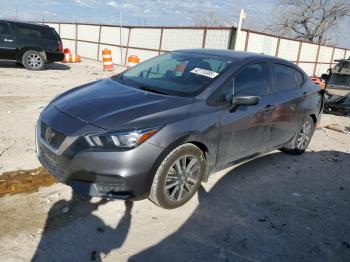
(159, 129)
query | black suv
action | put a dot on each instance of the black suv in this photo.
(29, 44)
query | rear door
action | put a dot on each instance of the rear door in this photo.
(247, 131)
(290, 96)
(7, 42)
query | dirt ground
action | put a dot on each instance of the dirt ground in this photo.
(274, 208)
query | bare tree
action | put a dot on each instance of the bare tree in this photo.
(211, 19)
(310, 20)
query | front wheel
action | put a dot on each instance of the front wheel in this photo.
(301, 139)
(178, 177)
(33, 60)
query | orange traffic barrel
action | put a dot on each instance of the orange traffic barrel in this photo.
(71, 58)
(133, 60)
(318, 81)
(67, 51)
(107, 59)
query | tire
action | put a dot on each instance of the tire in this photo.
(170, 176)
(33, 60)
(301, 139)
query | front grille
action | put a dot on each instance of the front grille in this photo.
(55, 163)
(116, 187)
(53, 137)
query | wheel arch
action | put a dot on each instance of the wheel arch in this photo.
(25, 49)
(178, 142)
(314, 118)
(201, 146)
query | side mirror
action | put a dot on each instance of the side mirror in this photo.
(243, 101)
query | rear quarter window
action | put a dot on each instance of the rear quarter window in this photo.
(34, 32)
(286, 78)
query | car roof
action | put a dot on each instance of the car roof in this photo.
(236, 55)
(27, 23)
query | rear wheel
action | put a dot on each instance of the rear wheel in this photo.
(178, 177)
(301, 139)
(33, 60)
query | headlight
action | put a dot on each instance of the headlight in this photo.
(127, 139)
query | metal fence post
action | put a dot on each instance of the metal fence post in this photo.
(299, 52)
(121, 38)
(99, 42)
(332, 56)
(76, 38)
(204, 37)
(230, 42)
(127, 46)
(246, 41)
(278, 46)
(316, 62)
(160, 40)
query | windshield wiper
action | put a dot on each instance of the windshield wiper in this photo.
(146, 88)
(120, 79)
(129, 82)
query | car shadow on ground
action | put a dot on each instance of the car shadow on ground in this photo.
(275, 208)
(73, 233)
(53, 66)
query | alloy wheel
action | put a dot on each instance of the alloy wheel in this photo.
(182, 178)
(34, 61)
(304, 136)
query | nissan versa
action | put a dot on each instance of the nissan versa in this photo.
(162, 127)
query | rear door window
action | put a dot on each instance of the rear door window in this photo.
(4, 29)
(286, 78)
(34, 32)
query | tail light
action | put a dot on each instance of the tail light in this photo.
(60, 47)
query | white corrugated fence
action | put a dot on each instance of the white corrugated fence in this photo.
(145, 42)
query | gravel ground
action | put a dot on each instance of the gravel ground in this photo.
(274, 208)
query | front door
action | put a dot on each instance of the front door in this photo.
(247, 131)
(7, 42)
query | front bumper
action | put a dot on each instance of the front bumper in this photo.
(124, 174)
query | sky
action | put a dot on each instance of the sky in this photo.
(146, 12)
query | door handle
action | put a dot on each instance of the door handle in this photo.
(8, 40)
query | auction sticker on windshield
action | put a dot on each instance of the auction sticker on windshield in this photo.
(204, 72)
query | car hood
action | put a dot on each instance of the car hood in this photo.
(114, 106)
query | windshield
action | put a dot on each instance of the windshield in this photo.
(176, 73)
(339, 80)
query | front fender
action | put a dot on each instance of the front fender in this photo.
(203, 134)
